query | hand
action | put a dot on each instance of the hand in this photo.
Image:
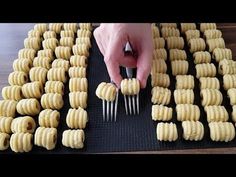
(111, 39)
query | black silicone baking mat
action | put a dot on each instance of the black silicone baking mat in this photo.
(129, 133)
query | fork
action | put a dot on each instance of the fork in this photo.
(129, 72)
(106, 105)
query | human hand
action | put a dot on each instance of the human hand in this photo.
(111, 39)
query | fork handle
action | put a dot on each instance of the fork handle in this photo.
(129, 72)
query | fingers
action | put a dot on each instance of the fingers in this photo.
(112, 57)
(144, 65)
(98, 39)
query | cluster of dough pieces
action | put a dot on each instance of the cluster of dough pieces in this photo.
(211, 98)
(36, 88)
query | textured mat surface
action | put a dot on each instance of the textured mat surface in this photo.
(129, 133)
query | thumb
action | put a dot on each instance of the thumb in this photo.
(111, 58)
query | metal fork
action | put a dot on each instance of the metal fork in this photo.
(129, 72)
(106, 105)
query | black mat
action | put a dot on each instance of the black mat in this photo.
(129, 133)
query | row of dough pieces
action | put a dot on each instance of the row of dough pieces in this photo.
(159, 77)
(199, 57)
(76, 83)
(194, 131)
(195, 43)
(184, 27)
(44, 137)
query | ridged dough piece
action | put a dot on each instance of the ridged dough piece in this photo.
(205, 70)
(187, 112)
(78, 99)
(227, 67)
(202, 57)
(70, 26)
(49, 118)
(179, 67)
(57, 74)
(49, 34)
(158, 66)
(175, 42)
(184, 82)
(212, 34)
(166, 132)
(193, 130)
(29, 107)
(52, 101)
(54, 87)
(196, 44)
(25, 124)
(220, 54)
(209, 82)
(56, 27)
(106, 91)
(41, 27)
(76, 71)
(63, 52)
(78, 84)
(67, 33)
(158, 43)
(215, 43)
(73, 139)
(46, 53)
(187, 26)
(130, 86)
(207, 26)
(22, 64)
(161, 95)
(38, 74)
(177, 54)
(17, 78)
(44, 62)
(46, 137)
(216, 113)
(26, 53)
(21, 142)
(77, 118)
(222, 131)
(184, 96)
(61, 63)
(32, 90)
(160, 79)
(192, 34)
(159, 54)
(211, 97)
(78, 60)
(12, 93)
(161, 113)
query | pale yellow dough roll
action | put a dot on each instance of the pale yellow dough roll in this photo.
(106, 91)
(130, 86)
(167, 132)
(46, 137)
(73, 139)
(77, 118)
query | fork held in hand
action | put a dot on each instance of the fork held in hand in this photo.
(129, 72)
